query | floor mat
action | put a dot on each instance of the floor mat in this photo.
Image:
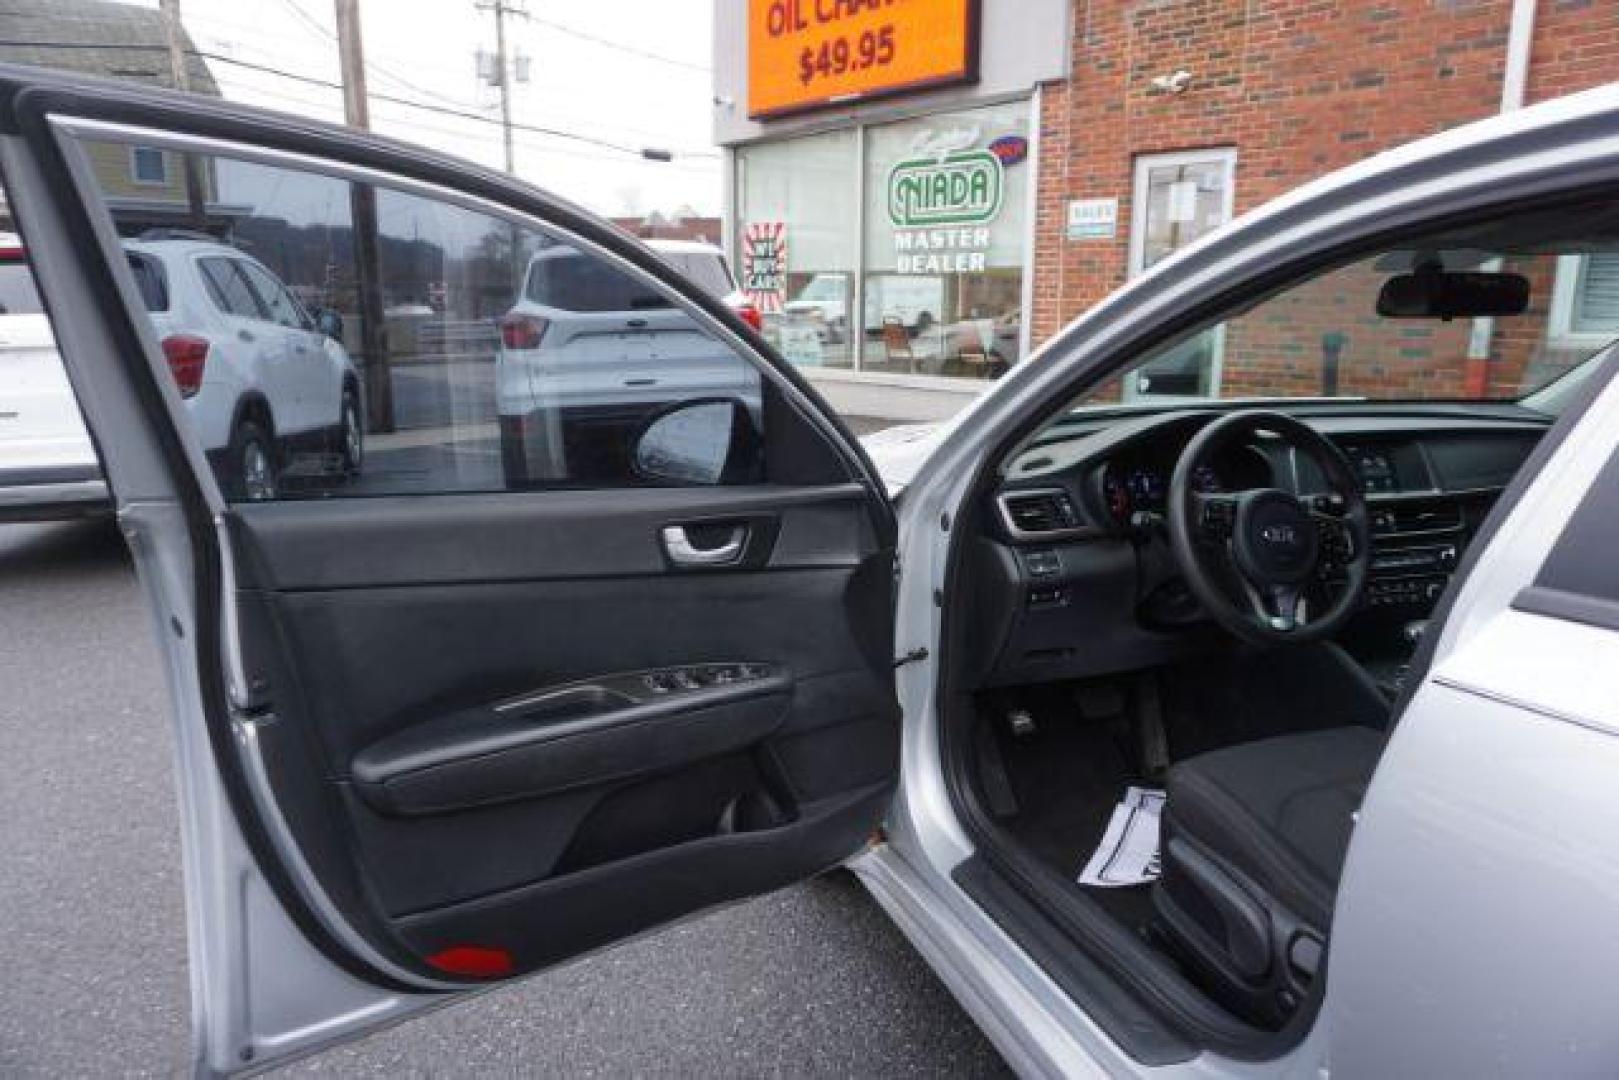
(1128, 853)
(1067, 780)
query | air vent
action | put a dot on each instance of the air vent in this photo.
(1039, 514)
(1403, 519)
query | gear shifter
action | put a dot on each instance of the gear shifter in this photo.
(1412, 633)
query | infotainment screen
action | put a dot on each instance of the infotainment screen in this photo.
(1374, 467)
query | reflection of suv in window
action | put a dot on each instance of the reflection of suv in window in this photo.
(270, 394)
(587, 354)
(705, 265)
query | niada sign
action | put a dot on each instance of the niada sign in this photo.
(963, 188)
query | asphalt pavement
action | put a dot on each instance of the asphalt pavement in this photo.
(811, 981)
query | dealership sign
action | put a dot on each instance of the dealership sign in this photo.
(941, 207)
(810, 54)
(963, 188)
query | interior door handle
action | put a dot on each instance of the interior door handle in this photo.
(683, 553)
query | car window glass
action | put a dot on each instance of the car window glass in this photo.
(282, 308)
(470, 352)
(1331, 334)
(708, 272)
(17, 293)
(228, 288)
(560, 277)
(151, 281)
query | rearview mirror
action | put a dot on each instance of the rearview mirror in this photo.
(699, 442)
(1431, 293)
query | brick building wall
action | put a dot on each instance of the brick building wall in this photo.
(1298, 89)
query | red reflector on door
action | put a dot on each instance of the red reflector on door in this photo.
(476, 960)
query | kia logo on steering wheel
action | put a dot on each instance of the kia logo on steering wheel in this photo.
(1279, 534)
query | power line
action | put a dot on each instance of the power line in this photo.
(328, 84)
(235, 39)
(254, 36)
(336, 109)
(625, 129)
(608, 43)
(313, 24)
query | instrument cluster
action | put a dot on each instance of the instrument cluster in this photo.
(1134, 484)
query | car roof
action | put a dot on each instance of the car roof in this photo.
(183, 247)
(683, 247)
(658, 244)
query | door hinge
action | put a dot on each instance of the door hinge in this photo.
(918, 653)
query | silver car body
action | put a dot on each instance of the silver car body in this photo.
(1477, 882)
(1473, 933)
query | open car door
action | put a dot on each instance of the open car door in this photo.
(489, 643)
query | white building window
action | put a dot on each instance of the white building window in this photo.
(1176, 199)
(1585, 299)
(148, 165)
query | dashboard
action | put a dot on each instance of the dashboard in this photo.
(1075, 574)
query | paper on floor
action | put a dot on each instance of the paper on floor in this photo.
(1128, 854)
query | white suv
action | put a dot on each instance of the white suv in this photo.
(705, 265)
(269, 390)
(588, 353)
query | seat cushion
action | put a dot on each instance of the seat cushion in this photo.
(1279, 810)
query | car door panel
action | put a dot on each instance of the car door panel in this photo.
(419, 726)
(581, 734)
(425, 765)
(513, 536)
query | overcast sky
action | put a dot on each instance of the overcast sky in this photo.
(614, 88)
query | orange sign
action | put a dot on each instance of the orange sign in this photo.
(803, 54)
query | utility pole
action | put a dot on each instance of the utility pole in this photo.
(501, 76)
(363, 211)
(351, 58)
(503, 70)
(180, 76)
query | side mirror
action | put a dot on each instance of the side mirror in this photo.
(329, 323)
(700, 442)
(1431, 293)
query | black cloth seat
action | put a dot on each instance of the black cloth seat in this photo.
(1253, 847)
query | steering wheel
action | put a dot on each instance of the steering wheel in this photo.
(1251, 556)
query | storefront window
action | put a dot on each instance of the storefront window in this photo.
(945, 200)
(796, 243)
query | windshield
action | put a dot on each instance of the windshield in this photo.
(1410, 324)
(707, 271)
(560, 277)
(823, 287)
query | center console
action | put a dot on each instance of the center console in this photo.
(1411, 566)
(1418, 531)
